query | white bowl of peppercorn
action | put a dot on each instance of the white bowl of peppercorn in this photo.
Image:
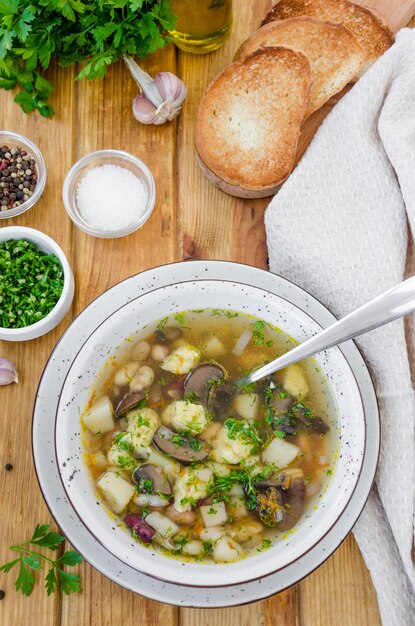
(37, 286)
(22, 174)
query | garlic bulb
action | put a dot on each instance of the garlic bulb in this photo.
(8, 372)
(161, 98)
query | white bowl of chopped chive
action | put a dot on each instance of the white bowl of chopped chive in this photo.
(109, 193)
(22, 174)
(37, 284)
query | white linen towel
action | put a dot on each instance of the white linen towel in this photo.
(338, 227)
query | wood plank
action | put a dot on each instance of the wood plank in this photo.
(251, 615)
(105, 120)
(340, 592)
(22, 503)
(280, 610)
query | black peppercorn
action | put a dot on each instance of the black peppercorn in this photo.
(17, 172)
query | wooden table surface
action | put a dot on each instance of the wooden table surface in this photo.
(191, 220)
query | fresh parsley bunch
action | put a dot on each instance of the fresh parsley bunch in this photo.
(95, 33)
(30, 561)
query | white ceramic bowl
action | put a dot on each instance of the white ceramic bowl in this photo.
(131, 317)
(47, 244)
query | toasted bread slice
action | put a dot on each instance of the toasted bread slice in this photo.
(373, 35)
(249, 119)
(333, 51)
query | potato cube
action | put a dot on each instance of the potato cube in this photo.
(116, 491)
(99, 417)
(214, 514)
(294, 381)
(246, 404)
(279, 453)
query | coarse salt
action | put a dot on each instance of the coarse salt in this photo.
(110, 197)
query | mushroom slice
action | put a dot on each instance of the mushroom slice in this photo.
(220, 397)
(282, 404)
(280, 502)
(294, 502)
(270, 503)
(150, 479)
(183, 449)
(319, 426)
(263, 485)
(128, 402)
(306, 420)
(199, 381)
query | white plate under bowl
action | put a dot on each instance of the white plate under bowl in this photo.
(138, 314)
(45, 461)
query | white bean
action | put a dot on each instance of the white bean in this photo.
(126, 373)
(162, 524)
(226, 550)
(193, 548)
(212, 534)
(142, 379)
(186, 518)
(167, 414)
(244, 529)
(140, 350)
(159, 352)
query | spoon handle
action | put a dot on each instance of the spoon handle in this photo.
(389, 306)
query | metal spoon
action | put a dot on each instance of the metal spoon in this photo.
(389, 306)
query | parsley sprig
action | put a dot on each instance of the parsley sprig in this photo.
(96, 34)
(30, 561)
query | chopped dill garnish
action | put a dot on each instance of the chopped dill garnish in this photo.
(243, 429)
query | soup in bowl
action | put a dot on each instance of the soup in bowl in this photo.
(185, 474)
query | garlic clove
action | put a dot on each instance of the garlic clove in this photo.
(8, 372)
(171, 87)
(161, 98)
(144, 110)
